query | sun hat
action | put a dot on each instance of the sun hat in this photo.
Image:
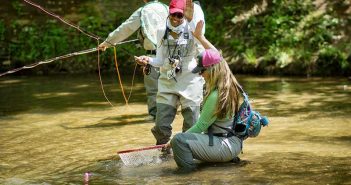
(206, 59)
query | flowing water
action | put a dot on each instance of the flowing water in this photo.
(55, 129)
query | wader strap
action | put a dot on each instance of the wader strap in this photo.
(210, 136)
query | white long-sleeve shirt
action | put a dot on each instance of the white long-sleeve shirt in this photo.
(154, 11)
(126, 29)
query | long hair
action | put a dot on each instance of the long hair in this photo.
(221, 78)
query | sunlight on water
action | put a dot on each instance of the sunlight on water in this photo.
(53, 131)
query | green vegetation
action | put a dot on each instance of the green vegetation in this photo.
(288, 37)
(283, 37)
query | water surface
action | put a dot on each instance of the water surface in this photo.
(54, 129)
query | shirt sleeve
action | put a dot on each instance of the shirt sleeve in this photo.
(207, 117)
(197, 17)
(159, 59)
(126, 29)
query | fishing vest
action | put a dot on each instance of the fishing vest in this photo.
(180, 52)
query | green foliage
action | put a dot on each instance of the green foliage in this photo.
(331, 61)
(287, 32)
(250, 56)
(2, 30)
(216, 23)
(17, 6)
(39, 40)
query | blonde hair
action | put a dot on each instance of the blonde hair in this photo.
(221, 78)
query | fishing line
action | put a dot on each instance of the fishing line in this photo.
(101, 84)
(58, 58)
(78, 53)
(131, 88)
(135, 69)
(63, 20)
(119, 75)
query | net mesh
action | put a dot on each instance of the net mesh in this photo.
(144, 156)
(153, 17)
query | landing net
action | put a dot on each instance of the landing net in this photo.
(142, 156)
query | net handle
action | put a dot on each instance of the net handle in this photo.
(141, 149)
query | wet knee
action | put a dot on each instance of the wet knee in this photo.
(177, 139)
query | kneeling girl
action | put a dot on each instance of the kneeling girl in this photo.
(221, 102)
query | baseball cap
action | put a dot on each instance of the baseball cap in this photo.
(176, 6)
(206, 59)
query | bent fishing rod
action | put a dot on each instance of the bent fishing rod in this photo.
(60, 58)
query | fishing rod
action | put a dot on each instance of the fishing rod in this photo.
(91, 35)
(59, 58)
(97, 38)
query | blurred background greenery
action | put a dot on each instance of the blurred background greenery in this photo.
(268, 37)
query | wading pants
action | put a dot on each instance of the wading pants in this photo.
(189, 146)
(165, 116)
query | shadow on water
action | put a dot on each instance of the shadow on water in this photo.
(116, 121)
(55, 94)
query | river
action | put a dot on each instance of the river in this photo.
(54, 129)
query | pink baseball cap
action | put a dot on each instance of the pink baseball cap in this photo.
(176, 6)
(206, 59)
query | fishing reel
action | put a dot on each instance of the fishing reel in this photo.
(147, 69)
(175, 62)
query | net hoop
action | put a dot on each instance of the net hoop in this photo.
(141, 149)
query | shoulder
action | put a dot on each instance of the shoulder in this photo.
(213, 96)
(155, 6)
(197, 8)
(198, 11)
(149, 10)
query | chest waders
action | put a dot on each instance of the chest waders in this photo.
(177, 85)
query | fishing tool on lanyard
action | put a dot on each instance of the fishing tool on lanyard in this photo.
(174, 59)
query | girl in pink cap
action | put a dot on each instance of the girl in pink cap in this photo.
(206, 141)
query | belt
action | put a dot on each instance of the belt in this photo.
(224, 134)
(151, 52)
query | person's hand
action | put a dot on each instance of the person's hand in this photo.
(198, 30)
(166, 150)
(168, 145)
(189, 10)
(103, 46)
(142, 60)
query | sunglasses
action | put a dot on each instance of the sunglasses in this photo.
(178, 15)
